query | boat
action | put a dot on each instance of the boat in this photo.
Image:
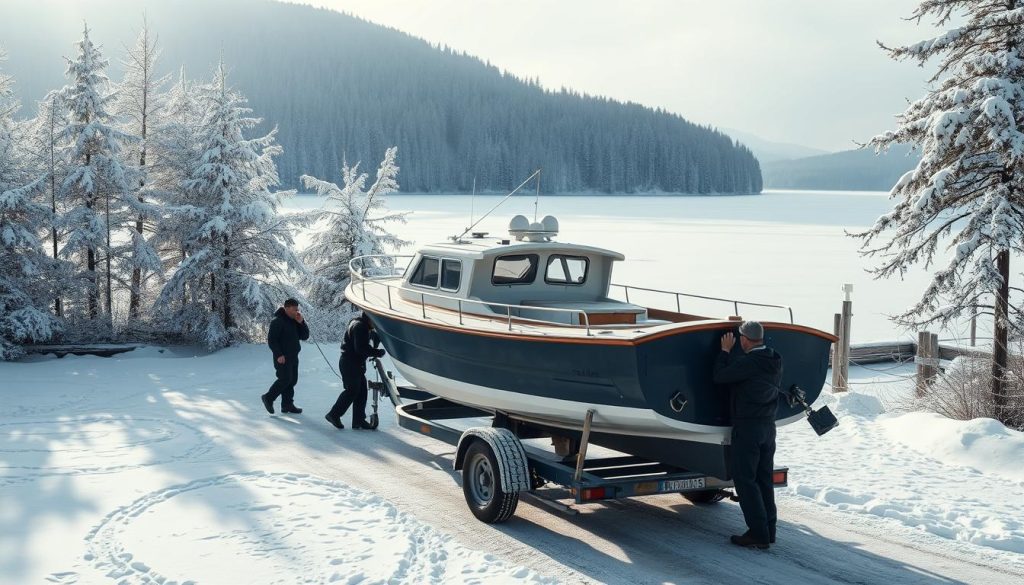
(534, 330)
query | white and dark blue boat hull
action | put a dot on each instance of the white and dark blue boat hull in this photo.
(630, 383)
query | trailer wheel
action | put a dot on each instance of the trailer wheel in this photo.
(481, 484)
(705, 496)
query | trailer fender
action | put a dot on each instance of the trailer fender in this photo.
(512, 463)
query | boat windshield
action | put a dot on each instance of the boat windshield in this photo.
(426, 273)
(566, 269)
(515, 269)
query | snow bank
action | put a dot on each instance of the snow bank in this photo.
(954, 479)
(983, 444)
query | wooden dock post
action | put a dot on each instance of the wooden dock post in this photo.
(837, 354)
(841, 354)
(927, 360)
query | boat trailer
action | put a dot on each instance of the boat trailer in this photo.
(498, 466)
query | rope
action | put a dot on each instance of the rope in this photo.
(327, 361)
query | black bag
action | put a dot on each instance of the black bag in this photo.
(821, 420)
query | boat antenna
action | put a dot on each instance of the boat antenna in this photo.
(491, 210)
(536, 199)
(472, 199)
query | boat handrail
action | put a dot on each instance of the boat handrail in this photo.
(735, 303)
(357, 277)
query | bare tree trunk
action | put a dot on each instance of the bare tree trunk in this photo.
(227, 287)
(184, 289)
(90, 263)
(58, 306)
(133, 303)
(110, 285)
(136, 293)
(999, 340)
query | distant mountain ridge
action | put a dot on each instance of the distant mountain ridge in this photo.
(340, 88)
(770, 151)
(856, 170)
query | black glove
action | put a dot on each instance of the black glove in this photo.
(379, 353)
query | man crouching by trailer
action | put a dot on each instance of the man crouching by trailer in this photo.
(355, 350)
(753, 378)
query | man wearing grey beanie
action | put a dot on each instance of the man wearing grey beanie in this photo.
(752, 377)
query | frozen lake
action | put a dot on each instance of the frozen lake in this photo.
(780, 247)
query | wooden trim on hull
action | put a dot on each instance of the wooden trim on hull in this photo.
(678, 329)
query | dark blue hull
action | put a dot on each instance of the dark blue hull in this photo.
(644, 374)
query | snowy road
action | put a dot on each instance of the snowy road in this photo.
(151, 466)
(659, 539)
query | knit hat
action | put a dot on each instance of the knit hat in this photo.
(752, 330)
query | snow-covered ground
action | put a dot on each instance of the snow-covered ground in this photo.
(160, 466)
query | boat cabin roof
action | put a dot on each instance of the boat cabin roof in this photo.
(479, 248)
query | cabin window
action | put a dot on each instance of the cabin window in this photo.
(451, 274)
(426, 273)
(515, 269)
(566, 269)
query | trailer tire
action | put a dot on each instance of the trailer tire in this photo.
(481, 485)
(705, 496)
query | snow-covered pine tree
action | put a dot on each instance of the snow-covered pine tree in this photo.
(238, 247)
(23, 261)
(967, 192)
(47, 152)
(99, 184)
(175, 148)
(356, 223)
(138, 104)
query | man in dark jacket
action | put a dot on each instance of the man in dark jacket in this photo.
(355, 350)
(753, 378)
(286, 330)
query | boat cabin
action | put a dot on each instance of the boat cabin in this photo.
(527, 276)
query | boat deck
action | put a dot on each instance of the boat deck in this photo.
(383, 295)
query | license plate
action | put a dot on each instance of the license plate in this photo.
(676, 485)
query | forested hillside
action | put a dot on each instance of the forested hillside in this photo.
(341, 88)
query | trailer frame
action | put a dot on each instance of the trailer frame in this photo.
(588, 478)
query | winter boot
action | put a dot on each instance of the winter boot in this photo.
(267, 403)
(291, 409)
(334, 420)
(748, 541)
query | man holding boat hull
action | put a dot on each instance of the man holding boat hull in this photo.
(753, 379)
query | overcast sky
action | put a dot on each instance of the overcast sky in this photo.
(801, 71)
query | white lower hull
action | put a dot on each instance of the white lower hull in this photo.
(564, 413)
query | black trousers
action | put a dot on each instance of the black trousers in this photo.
(353, 378)
(753, 461)
(287, 377)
